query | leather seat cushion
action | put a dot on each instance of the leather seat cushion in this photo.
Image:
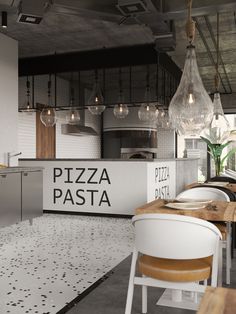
(175, 270)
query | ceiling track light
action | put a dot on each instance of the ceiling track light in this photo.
(4, 19)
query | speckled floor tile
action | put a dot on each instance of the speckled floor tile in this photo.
(45, 266)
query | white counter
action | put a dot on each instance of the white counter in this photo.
(108, 186)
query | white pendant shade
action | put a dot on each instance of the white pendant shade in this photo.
(191, 108)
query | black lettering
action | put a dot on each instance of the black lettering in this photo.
(104, 177)
(104, 199)
(57, 172)
(156, 174)
(68, 175)
(56, 194)
(80, 196)
(80, 175)
(94, 170)
(68, 197)
(156, 194)
(92, 198)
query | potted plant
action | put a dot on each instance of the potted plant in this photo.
(216, 151)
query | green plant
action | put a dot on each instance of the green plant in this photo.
(216, 151)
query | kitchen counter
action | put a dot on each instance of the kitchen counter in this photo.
(110, 186)
(19, 169)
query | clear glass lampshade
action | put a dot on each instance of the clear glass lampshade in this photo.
(191, 108)
(48, 115)
(219, 129)
(96, 100)
(165, 121)
(161, 114)
(27, 107)
(121, 110)
(72, 116)
(148, 111)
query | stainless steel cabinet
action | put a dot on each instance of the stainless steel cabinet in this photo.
(10, 198)
(32, 194)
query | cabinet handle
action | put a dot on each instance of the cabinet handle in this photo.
(25, 174)
(3, 175)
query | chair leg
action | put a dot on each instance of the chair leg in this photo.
(144, 299)
(228, 254)
(220, 265)
(130, 293)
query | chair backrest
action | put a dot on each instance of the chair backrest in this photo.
(204, 193)
(175, 236)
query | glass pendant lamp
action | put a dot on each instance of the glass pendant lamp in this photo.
(96, 100)
(120, 110)
(28, 105)
(219, 129)
(191, 108)
(72, 116)
(147, 111)
(48, 114)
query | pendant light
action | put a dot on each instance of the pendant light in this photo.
(72, 116)
(147, 111)
(191, 108)
(48, 114)
(28, 106)
(219, 130)
(96, 100)
(120, 110)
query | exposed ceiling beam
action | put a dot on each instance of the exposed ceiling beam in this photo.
(97, 59)
(175, 9)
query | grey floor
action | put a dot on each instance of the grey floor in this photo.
(110, 296)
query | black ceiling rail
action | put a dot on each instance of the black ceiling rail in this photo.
(215, 45)
(97, 59)
(208, 50)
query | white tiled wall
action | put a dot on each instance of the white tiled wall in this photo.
(67, 146)
(165, 143)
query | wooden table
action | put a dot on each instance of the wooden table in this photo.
(230, 186)
(216, 211)
(218, 301)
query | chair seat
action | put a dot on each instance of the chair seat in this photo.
(223, 229)
(175, 270)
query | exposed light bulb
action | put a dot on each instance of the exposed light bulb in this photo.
(190, 98)
(48, 114)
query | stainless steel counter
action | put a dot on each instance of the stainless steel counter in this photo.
(19, 169)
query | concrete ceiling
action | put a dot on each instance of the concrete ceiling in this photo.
(79, 25)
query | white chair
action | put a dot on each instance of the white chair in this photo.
(208, 193)
(166, 242)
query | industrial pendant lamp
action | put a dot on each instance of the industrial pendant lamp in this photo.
(219, 129)
(120, 110)
(72, 116)
(28, 106)
(96, 100)
(147, 111)
(191, 108)
(48, 114)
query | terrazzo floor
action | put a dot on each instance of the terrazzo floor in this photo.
(45, 266)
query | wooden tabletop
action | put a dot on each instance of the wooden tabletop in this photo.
(230, 186)
(218, 301)
(216, 211)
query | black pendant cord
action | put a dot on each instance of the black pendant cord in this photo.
(120, 82)
(72, 91)
(130, 84)
(49, 89)
(79, 89)
(217, 81)
(157, 78)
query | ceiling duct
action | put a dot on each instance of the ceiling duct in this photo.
(132, 7)
(31, 12)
